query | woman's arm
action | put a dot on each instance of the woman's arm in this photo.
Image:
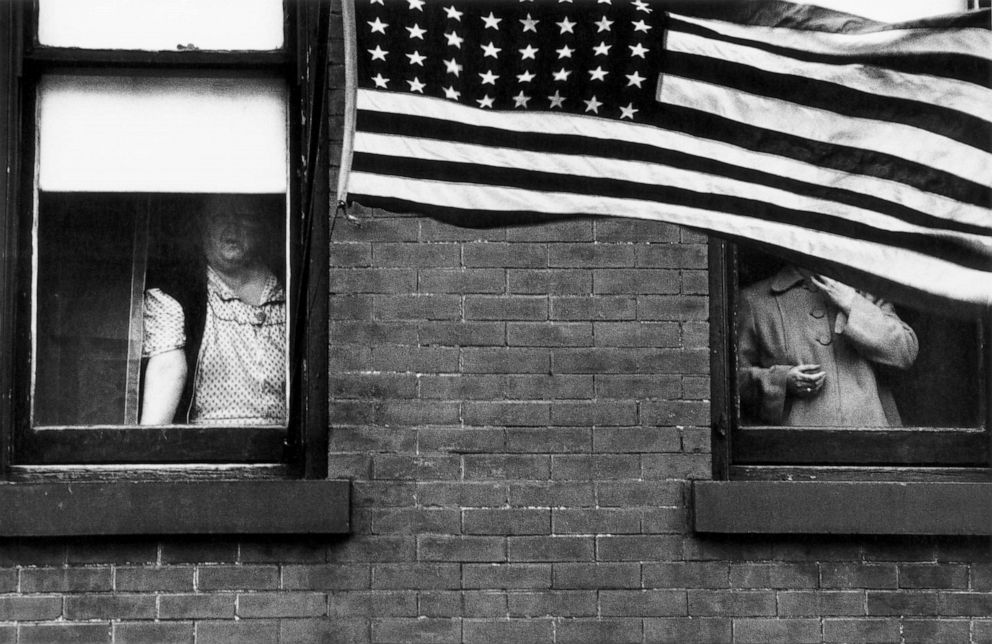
(165, 377)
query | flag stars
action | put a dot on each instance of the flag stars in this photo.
(598, 74)
(451, 93)
(635, 79)
(452, 67)
(565, 52)
(638, 50)
(378, 53)
(453, 14)
(603, 24)
(557, 100)
(640, 5)
(593, 105)
(628, 112)
(454, 40)
(492, 22)
(489, 78)
(380, 81)
(416, 5)
(490, 50)
(529, 24)
(561, 75)
(416, 31)
(602, 49)
(416, 58)
(566, 26)
(485, 101)
(520, 100)
(378, 26)
(528, 52)
(416, 85)
(526, 77)
(640, 25)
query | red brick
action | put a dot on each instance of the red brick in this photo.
(639, 548)
(415, 520)
(577, 308)
(632, 361)
(588, 467)
(15, 609)
(462, 280)
(461, 494)
(965, 603)
(643, 603)
(370, 333)
(589, 413)
(153, 633)
(673, 307)
(414, 359)
(506, 576)
(550, 282)
(93, 633)
(379, 229)
(901, 603)
(933, 576)
(506, 466)
(246, 631)
(373, 385)
(554, 230)
(118, 606)
(505, 360)
(857, 575)
(435, 230)
(415, 631)
(595, 520)
(548, 439)
(327, 577)
(373, 548)
(506, 414)
(675, 412)
(664, 521)
(248, 577)
(638, 386)
(512, 630)
(672, 255)
(66, 580)
(590, 255)
(350, 307)
(8, 579)
(600, 631)
(441, 603)
(552, 493)
(775, 631)
(596, 576)
(688, 630)
(479, 603)
(411, 467)
(416, 307)
(374, 603)
(461, 440)
(551, 548)
(502, 255)
(420, 576)
(636, 439)
(689, 574)
(640, 493)
(282, 604)
(695, 282)
(861, 631)
(731, 603)
(825, 603)
(324, 631)
(372, 280)
(196, 606)
(462, 334)
(774, 575)
(553, 603)
(549, 334)
(929, 631)
(635, 230)
(350, 254)
(506, 307)
(677, 466)
(513, 521)
(416, 255)
(457, 548)
(626, 281)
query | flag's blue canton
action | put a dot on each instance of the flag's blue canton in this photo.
(597, 58)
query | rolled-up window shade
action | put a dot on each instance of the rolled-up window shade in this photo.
(159, 25)
(151, 134)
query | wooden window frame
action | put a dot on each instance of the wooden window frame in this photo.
(171, 471)
(905, 481)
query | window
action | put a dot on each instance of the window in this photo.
(144, 143)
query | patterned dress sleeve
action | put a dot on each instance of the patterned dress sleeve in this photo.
(164, 329)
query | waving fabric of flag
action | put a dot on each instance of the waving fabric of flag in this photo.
(832, 139)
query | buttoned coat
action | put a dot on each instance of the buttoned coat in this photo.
(785, 321)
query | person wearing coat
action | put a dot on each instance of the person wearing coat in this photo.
(808, 348)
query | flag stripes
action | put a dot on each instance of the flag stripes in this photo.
(868, 147)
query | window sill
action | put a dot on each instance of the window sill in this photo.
(811, 507)
(174, 507)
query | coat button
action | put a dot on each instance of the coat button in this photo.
(825, 340)
(818, 313)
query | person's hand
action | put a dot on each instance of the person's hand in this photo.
(805, 380)
(839, 293)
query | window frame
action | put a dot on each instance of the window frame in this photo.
(298, 451)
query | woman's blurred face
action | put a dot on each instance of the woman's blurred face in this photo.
(231, 239)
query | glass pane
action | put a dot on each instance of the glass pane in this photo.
(157, 25)
(124, 279)
(147, 134)
(803, 362)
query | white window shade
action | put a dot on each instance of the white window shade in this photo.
(158, 25)
(146, 134)
(891, 11)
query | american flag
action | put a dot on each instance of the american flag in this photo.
(835, 140)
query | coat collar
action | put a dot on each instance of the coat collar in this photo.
(788, 277)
